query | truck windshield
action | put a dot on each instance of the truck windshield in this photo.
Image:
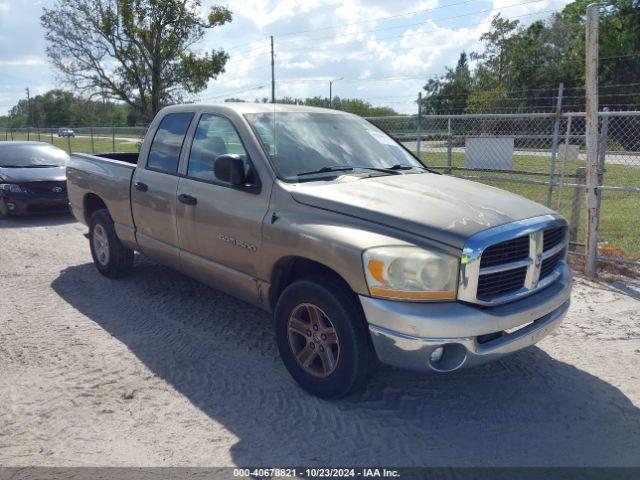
(327, 144)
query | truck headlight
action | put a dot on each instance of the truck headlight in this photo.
(10, 187)
(411, 273)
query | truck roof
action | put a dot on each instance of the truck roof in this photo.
(251, 107)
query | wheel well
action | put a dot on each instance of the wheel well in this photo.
(92, 203)
(290, 269)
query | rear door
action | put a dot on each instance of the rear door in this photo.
(220, 225)
(154, 187)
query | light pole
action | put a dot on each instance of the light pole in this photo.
(330, 87)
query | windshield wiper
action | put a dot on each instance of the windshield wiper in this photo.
(347, 168)
(325, 170)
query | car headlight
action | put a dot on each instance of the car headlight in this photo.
(411, 273)
(10, 187)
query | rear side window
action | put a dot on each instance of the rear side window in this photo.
(167, 143)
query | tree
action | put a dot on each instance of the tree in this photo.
(135, 51)
(350, 105)
(60, 108)
(494, 61)
(450, 93)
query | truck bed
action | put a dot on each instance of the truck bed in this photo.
(106, 177)
(127, 157)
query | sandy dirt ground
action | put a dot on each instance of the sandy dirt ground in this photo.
(158, 370)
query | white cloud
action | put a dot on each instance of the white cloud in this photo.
(28, 61)
(347, 39)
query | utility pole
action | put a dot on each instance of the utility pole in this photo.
(330, 90)
(28, 107)
(591, 134)
(273, 75)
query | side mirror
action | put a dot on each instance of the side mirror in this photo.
(230, 169)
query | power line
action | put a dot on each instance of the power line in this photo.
(343, 25)
(414, 34)
(333, 45)
(378, 19)
(424, 22)
(235, 92)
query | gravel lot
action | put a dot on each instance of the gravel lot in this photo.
(157, 370)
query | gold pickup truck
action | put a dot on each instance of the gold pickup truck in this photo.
(360, 251)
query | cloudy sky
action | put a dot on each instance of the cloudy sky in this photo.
(379, 50)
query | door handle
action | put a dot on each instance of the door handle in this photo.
(143, 187)
(187, 199)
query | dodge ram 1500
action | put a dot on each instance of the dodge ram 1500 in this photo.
(361, 252)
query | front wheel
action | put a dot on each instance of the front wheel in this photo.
(111, 258)
(322, 338)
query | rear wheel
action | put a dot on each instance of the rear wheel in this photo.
(111, 258)
(322, 338)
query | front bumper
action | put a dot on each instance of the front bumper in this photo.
(406, 334)
(20, 204)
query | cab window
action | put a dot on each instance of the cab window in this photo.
(164, 154)
(214, 136)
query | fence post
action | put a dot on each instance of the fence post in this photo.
(93, 145)
(591, 88)
(554, 144)
(113, 138)
(51, 137)
(419, 133)
(28, 134)
(602, 153)
(574, 222)
(69, 144)
(449, 147)
(567, 139)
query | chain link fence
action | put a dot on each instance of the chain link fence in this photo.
(82, 139)
(541, 156)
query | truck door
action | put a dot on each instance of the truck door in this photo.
(153, 191)
(219, 225)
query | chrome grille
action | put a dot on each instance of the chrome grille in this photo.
(507, 262)
(549, 264)
(494, 285)
(553, 237)
(516, 249)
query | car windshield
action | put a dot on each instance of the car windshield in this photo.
(17, 155)
(319, 145)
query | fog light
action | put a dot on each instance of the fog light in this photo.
(436, 355)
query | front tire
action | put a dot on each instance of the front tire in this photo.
(323, 338)
(111, 258)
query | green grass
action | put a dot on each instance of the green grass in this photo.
(82, 144)
(619, 231)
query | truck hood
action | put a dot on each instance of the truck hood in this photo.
(26, 174)
(442, 208)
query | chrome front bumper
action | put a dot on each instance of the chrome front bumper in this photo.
(406, 334)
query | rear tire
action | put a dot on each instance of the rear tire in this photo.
(305, 310)
(111, 258)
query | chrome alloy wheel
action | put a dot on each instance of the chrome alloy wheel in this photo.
(101, 244)
(313, 340)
